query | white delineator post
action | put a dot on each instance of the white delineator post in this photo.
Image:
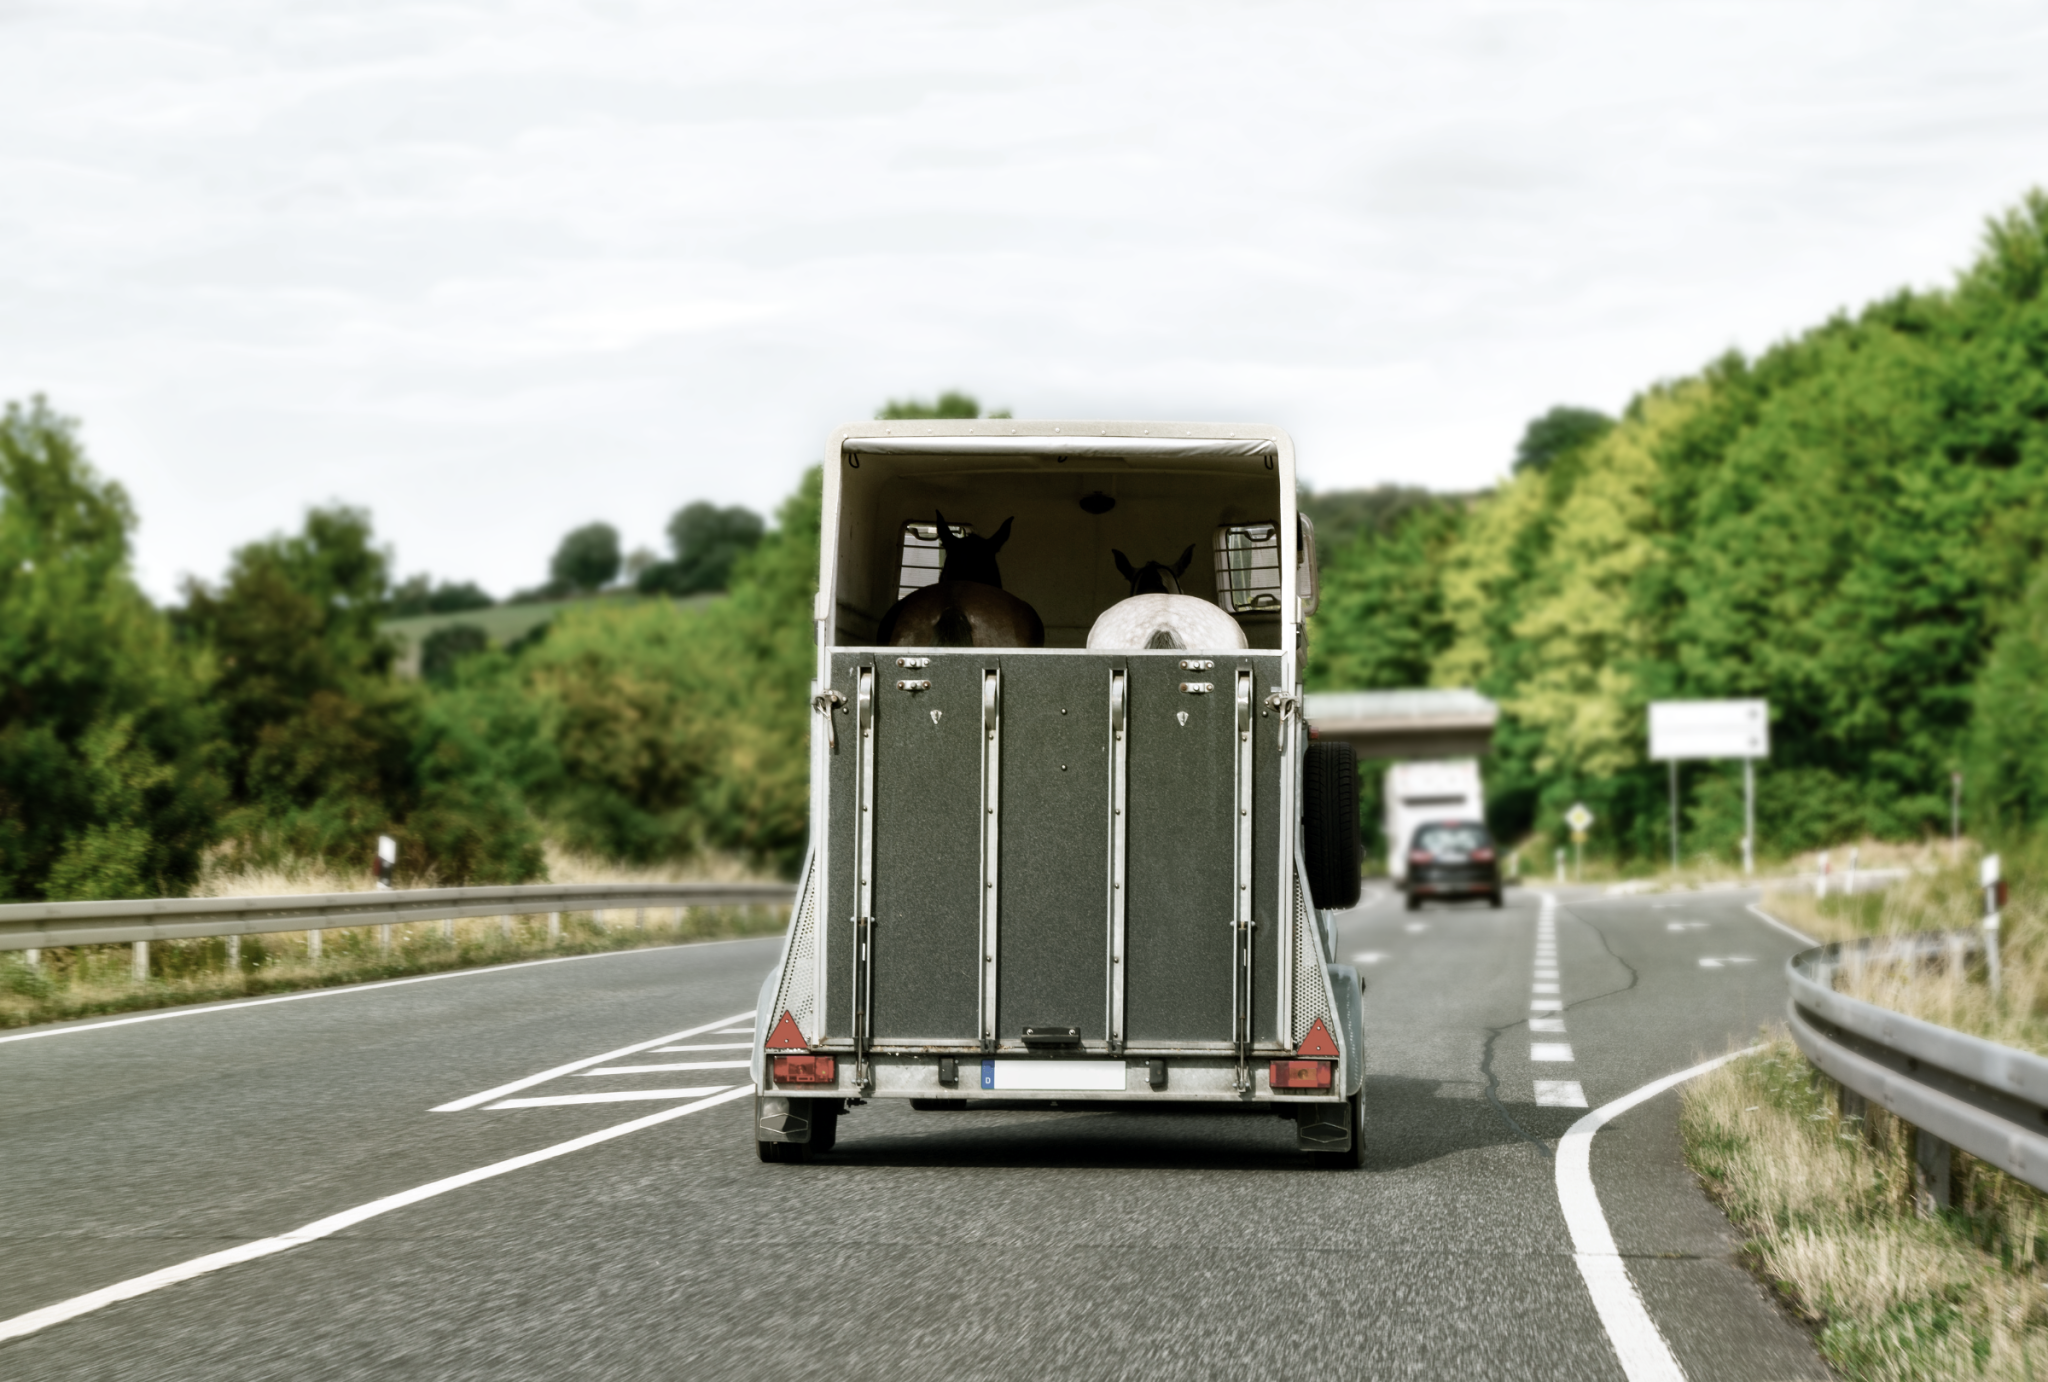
(1994, 895)
(554, 928)
(138, 968)
(1820, 880)
(1849, 883)
(386, 865)
(1560, 866)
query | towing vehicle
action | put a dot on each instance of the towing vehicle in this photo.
(1071, 841)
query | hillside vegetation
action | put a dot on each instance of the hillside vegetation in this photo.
(1850, 526)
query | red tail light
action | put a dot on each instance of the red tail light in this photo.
(1419, 856)
(1482, 856)
(806, 1070)
(1302, 1074)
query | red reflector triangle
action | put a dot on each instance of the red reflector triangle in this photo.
(1316, 1043)
(786, 1037)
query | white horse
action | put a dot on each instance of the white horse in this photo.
(1157, 615)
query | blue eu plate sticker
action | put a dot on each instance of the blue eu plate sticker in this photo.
(988, 1074)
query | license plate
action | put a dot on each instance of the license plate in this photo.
(1055, 1076)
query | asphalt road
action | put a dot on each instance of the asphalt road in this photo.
(942, 1245)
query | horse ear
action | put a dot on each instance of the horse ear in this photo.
(946, 538)
(1180, 567)
(1123, 565)
(1000, 536)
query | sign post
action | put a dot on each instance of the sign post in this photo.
(1580, 820)
(1680, 730)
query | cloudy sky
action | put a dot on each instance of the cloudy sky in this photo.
(497, 270)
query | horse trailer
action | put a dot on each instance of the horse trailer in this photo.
(1070, 839)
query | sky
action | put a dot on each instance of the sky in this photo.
(496, 271)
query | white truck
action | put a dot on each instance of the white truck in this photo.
(1417, 793)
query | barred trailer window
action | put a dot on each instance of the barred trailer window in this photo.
(923, 556)
(1248, 568)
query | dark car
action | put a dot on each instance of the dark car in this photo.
(1452, 859)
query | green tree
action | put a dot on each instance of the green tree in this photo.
(107, 784)
(588, 558)
(706, 541)
(950, 404)
(1559, 434)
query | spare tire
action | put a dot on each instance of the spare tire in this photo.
(1330, 842)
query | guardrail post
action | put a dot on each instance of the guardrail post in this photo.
(1933, 1180)
(639, 918)
(554, 928)
(505, 923)
(32, 957)
(235, 954)
(139, 962)
(313, 946)
(384, 938)
(448, 929)
(597, 919)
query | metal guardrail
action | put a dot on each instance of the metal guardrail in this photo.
(48, 925)
(1988, 1099)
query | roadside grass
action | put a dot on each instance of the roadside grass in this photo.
(94, 980)
(1828, 1210)
(1944, 896)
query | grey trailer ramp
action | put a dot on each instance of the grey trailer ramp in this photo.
(1053, 840)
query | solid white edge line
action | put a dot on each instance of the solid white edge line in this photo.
(1644, 1355)
(1795, 934)
(202, 1009)
(616, 1096)
(677, 1065)
(469, 1101)
(34, 1320)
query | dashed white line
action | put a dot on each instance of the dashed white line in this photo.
(1546, 1005)
(1559, 1094)
(1644, 1355)
(1540, 987)
(1550, 1051)
(1369, 957)
(615, 1096)
(1546, 1024)
(71, 1309)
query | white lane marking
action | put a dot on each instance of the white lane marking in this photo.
(202, 1010)
(1644, 1355)
(710, 1046)
(470, 1101)
(1559, 1094)
(1685, 926)
(1546, 1024)
(1414, 926)
(1545, 1005)
(1368, 957)
(34, 1320)
(1543, 988)
(616, 1096)
(1550, 1051)
(1752, 907)
(679, 1065)
(734, 1031)
(1717, 961)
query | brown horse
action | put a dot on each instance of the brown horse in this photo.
(967, 607)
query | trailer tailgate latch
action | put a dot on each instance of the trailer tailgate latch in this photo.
(825, 702)
(1287, 705)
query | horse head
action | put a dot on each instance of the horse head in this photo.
(973, 558)
(1154, 577)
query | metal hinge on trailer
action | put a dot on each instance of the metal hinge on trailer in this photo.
(1242, 923)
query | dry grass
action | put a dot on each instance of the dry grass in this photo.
(1828, 1209)
(85, 981)
(1954, 994)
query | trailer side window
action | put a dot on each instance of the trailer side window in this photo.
(923, 557)
(1248, 567)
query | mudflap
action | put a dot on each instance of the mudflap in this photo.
(1323, 1127)
(781, 1119)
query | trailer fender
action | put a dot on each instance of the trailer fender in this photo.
(1349, 993)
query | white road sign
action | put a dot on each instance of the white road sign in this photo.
(1579, 818)
(1709, 729)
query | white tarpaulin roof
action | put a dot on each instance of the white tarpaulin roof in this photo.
(1106, 448)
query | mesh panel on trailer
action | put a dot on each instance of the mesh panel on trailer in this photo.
(798, 995)
(1311, 987)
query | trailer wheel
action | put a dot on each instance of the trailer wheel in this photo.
(1330, 842)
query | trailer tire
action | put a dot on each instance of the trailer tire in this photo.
(1330, 843)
